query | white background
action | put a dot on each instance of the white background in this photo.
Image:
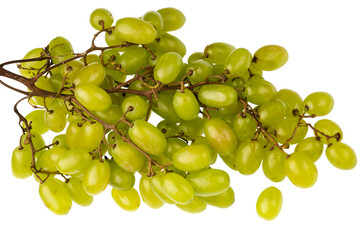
(322, 38)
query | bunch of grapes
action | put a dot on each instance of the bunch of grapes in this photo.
(217, 106)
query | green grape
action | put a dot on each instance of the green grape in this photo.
(60, 49)
(37, 140)
(201, 69)
(195, 56)
(222, 200)
(168, 43)
(167, 128)
(208, 182)
(138, 85)
(259, 91)
(55, 119)
(112, 39)
(173, 18)
(21, 163)
(195, 206)
(74, 117)
(177, 188)
(110, 57)
(218, 96)
(244, 127)
(192, 128)
(93, 73)
(71, 69)
(147, 137)
(237, 62)
(163, 106)
(119, 178)
(269, 203)
(319, 103)
(73, 161)
(220, 136)
(127, 157)
(101, 18)
(301, 170)
(92, 97)
(37, 121)
(139, 106)
(55, 197)
(254, 69)
(229, 160)
(272, 112)
(148, 195)
(235, 108)
(112, 76)
(218, 52)
(285, 130)
(168, 67)
(292, 100)
(192, 158)
(76, 191)
(341, 155)
(202, 140)
(56, 83)
(32, 68)
(186, 105)
(44, 84)
(249, 156)
(270, 57)
(330, 129)
(134, 58)
(157, 185)
(112, 115)
(84, 135)
(47, 161)
(96, 177)
(273, 164)
(173, 145)
(91, 58)
(135, 30)
(155, 19)
(129, 200)
(311, 147)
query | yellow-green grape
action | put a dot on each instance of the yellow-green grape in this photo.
(177, 188)
(147, 137)
(93, 73)
(249, 156)
(157, 185)
(168, 67)
(341, 155)
(193, 128)
(84, 135)
(202, 140)
(37, 121)
(129, 200)
(229, 160)
(330, 129)
(319, 103)
(167, 128)
(60, 49)
(138, 105)
(195, 56)
(73, 161)
(148, 195)
(55, 197)
(259, 91)
(273, 164)
(218, 52)
(200, 70)
(272, 112)
(112, 39)
(134, 58)
(47, 160)
(285, 130)
(195, 206)
(173, 144)
(168, 43)
(71, 69)
(208, 182)
(237, 62)
(96, 177)
(155, 19)
(270, 57)
(119, 178)
(56, 83)
(311, 147)
(220, 136)
(255, 70)
(192, 158)
(269, 203)
(91, 58)
(92, 97)
(292, 100)
(186, 105)
(301, 170)
(36, 139)
(110, 57)
(32, 68)
(235, 108)
(44, 84)
(21, 162)
(77, 192)
(55, 119)
(244, 127)
(222, 200)
(173, 18)
(101, 18)
(218, 96)
(112, 115)
(163, 106)
(135, 30)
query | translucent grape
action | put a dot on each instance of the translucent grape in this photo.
(73, 161)
(269, 203)
(208, 182)
(341, 156)
(93, 73)
(129, 200)
(155, 19)
(163, 106)
(60, 49)
(311, 147)
(173, 144)
(178, 188)
(218, 52)
(201, 69)
(101, 18)
(244, 127)
(319, 103)
(173, 18)
(273, 164)
(135, 30)
(55, 119)
(195, 206)
(285, 130)
(292, 100)
(92, 97)
(119, 178)
(84, 135)
(77, 192)
(270, 57)
(249, 156)
(222, 200)
(21, 162)
(134, 58)
(157, 185)
(168, 43)
(192, 128)
(237, 62)
(37, 121)
(272, 112)
(47, 161)
(32, 68)
(186, 105)
(96, 177)
(168, 67)
(235, 108)
(330, 129)
(218, 96)
(139, 106)
(167, 128)
(192, 158)
(259, 91)
(195, 56)
(148, 195)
